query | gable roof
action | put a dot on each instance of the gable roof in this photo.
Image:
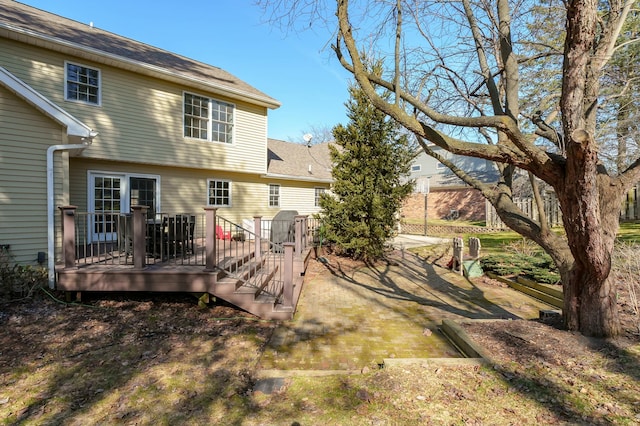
(37, 27)
(287, 160)
(74, 127)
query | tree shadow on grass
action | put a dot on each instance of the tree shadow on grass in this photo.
(598, 386)
(115, 362)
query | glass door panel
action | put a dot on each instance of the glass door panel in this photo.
(106, 207)
(143, 193)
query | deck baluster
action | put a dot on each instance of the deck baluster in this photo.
(257, 230)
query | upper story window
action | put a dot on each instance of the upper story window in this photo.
(82, 84)
(219, 192)
(274, 195)
(208, 119)
(416, 168)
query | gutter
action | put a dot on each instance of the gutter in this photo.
(51, 261)
(297, 178)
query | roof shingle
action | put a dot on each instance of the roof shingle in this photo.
(24, 22)
(294, 160)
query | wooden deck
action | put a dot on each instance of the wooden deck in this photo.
(214, 256)
(236, 279)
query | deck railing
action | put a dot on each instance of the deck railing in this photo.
(186, 239)
(107, 238)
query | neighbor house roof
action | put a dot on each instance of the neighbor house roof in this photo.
(288, 160)
(37, 27)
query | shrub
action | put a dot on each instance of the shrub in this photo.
(537, 267)
(19, 281)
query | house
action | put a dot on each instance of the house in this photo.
(448, 196)
(105, 124)
(302, 173)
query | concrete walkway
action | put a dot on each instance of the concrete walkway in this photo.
(406, 241)
(350, 319)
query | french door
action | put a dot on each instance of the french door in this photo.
(111, 194)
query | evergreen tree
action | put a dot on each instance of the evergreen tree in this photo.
(369, 163)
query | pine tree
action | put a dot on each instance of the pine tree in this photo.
(369, 163)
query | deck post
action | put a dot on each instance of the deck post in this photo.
(257, 230)
(300, 234)
(68, 221)
(210, 242)
(139, 228)
(287, 291)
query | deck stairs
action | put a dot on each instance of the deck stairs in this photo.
(249, 285)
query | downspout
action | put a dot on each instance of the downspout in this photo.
(51, 261)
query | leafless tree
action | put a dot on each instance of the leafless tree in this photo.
(454, 74)
(315, 134)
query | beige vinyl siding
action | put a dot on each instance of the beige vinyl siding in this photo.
(141, 118)
(25, 135)
(298, 196)
(182, 190)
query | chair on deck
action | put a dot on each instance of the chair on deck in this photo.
(221, 234)
(191, 231)
(125, 235)
(178, 235)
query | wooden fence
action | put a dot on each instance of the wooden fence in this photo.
(630, 209)
(631, 205)
(530, 209)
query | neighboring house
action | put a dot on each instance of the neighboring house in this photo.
(446, 191)
(98, 121)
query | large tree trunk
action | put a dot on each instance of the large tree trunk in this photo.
(590, 303)
(591, 217)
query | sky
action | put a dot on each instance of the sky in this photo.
(297, 69)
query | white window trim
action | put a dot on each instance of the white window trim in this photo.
(66, 63)
(230, 193)
(416, 168)
(125, 206)
(316, 200)
(124, 189)
(209, 132)
(269, 196)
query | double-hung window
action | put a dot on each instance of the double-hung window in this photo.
(318, 195)
(82, 84)
(208, 119)
(219, 193)
(274, 195)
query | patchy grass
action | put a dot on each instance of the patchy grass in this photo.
(629, 232)
(497, 241)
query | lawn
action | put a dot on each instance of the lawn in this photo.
(497, 241)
